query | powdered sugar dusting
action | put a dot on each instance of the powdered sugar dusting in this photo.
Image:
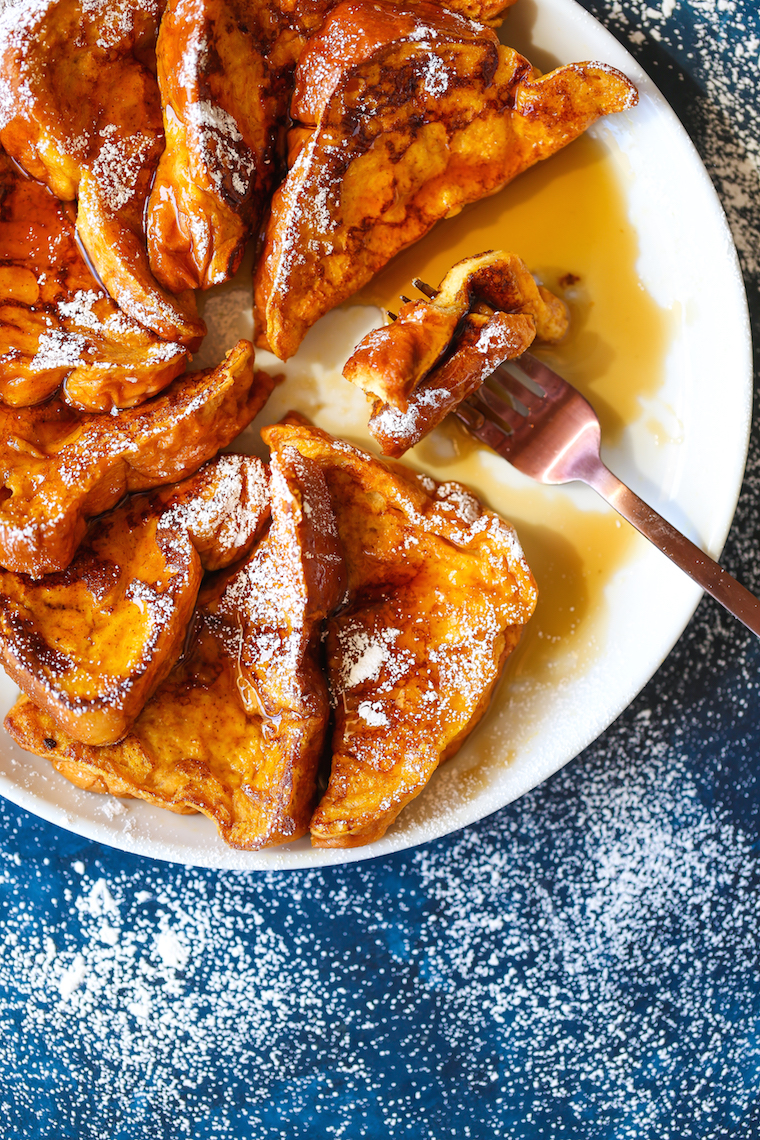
(78, 312)
(158, 605)
(459, 499)
(79, 309)
(554, 950)
(58, 349)
(221, 144)
(365, 654)
(114, 19)
(18, 18)
(435, 76)
(231, 514)
(193, 60)
(372, 714)
(117, 167)
(398, 425)
(163, 350)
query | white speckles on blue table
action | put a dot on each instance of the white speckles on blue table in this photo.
(583, 964)
(585, 960)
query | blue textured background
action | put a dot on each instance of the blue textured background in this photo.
(582, 964)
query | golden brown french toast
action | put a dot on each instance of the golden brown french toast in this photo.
(237, 728)
(58, 327)
(226, 76)
(222, 106)
(59, 468)
(438, 594)
(424, 594)
(81, 113)
(90, 644)
(403, 115)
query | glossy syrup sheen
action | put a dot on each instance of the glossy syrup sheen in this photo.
(567, 219)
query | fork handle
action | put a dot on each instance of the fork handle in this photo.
(716, 581)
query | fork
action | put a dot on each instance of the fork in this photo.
(547, 430)
(550, 432)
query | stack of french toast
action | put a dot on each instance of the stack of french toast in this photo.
(288, 647)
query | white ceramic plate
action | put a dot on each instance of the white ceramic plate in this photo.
(688, 263)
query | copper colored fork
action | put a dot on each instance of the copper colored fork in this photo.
(551, 433)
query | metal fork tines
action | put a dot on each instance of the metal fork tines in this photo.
(550, 432)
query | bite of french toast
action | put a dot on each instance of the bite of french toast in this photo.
(438, 350)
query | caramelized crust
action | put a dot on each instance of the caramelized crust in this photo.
(438, 594)
(81, 113)
(222, 106)
(237, 728)
(58, 469)
(225, 72)
(90, 644)
(57, 325)
(404, 115)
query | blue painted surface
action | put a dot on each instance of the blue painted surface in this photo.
(584, 963)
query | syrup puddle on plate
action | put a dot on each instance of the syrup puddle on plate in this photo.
(567, 219)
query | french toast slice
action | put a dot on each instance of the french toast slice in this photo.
(225, 72)
(222, 106)
(58, 327)
(90, 644)
(59, 468)
(438, 595)
(237, 728)
(81, 113)
(402, 116)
